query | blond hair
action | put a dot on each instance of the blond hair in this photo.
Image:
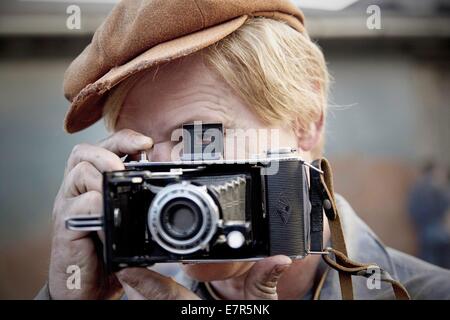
(278, 72)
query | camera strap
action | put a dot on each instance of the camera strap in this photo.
(322, 182)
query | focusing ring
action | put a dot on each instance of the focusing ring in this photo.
(206, 205)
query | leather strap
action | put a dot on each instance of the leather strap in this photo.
(366, 270)
(342, 263)
(337, 235)
(320, 285)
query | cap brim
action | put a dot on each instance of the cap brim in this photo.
(87, 106)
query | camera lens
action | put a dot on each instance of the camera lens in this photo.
(181, 219)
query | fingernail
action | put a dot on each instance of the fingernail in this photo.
(142, 140)
(131, 293)
(278, 270)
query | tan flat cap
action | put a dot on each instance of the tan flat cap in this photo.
(139, 34)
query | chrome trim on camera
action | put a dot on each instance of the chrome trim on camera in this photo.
(85, 223)
(322, 253)
(309, 165)
(263, 160)
(233, 260)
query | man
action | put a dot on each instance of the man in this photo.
(429, 204)
(155, 65)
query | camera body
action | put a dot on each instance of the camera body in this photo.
(206, 211)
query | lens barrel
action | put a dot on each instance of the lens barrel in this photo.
(183, 218)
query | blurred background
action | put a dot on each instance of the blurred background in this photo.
(387, 136)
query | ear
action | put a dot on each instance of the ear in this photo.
(308, 139)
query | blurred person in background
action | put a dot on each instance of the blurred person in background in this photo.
(429, 204)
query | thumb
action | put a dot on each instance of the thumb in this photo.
(142, 283)
(131, 293)
(262, 279)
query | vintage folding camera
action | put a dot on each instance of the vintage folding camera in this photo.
(204, 209)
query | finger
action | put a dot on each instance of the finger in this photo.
(144, 283)
(88, 203)
(82, 178)
(131, 293)
(261, 281)
(126, 141)
(100, 158)
(101, 236)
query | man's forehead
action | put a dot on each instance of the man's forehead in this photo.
(175, 73)
(160, 124)
(161, 103)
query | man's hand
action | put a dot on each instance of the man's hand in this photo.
(260, 282)
(262, 279)
(81, 194)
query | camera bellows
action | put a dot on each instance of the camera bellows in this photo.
(230, 192)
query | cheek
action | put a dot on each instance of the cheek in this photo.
(215, 271)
